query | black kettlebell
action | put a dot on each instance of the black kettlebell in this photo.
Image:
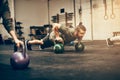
(79, 47)
(20, 59)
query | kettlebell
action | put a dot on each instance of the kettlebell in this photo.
(20, 59)
(58, 48)
(79, 47)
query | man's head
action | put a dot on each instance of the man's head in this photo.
(80, 30)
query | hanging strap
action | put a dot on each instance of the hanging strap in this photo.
(91, 6)
(91, 12)
(105, 5)
(112, 15)
(80, 12)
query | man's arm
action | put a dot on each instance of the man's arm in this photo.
(8, 22)
(55, 29)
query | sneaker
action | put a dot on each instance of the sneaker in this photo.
(109, 42)
(28, 46)
(40, 47)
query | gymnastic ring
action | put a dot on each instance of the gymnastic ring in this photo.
(112, 16)
(105, 17)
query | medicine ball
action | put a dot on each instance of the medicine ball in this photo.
(79, 47)
(58, 48)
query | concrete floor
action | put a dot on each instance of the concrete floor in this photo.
(97, 62)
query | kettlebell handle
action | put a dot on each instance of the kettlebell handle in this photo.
(22, 49)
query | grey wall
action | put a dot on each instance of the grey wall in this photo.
(31, 13)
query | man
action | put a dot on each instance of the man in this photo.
(61, 34)
(7, 20)
(110, 41)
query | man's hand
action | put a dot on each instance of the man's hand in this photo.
(59, 39)
(18, 42)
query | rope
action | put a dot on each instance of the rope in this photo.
(105, 5)
(80, 12)
(112, 15)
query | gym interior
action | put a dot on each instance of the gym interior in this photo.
(33, 17)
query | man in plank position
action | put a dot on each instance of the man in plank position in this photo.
(61, 34)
